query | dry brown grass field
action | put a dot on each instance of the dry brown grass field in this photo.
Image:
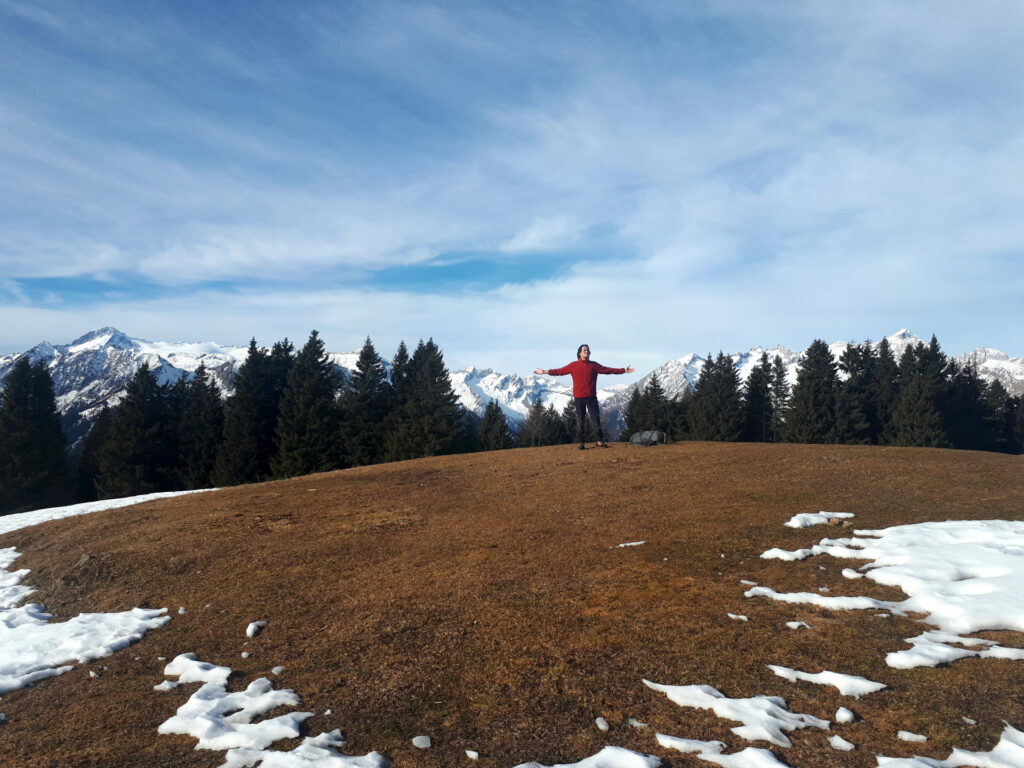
(481, 599)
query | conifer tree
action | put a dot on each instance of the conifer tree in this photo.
(811, 415)
(965, 413)
(532, 432)
(429, 421)
(679, 416)
(494, 432)
(1018, 423)
(634, 414)
(308, 421)
(400, 375)
(757, 402)
(556, 432)
(779, 387)
(886, 387)
(915, 419)
(365, 404)
(856, 397)
(33, 460)
(716, 410)
(88, 465)
(135, 457)
(1000, 415)
(250, 420)
(200, 430)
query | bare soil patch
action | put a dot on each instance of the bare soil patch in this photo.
(482, 600)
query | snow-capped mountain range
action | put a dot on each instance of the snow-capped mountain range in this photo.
(92, 371)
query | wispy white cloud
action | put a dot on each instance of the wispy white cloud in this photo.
(741, 168)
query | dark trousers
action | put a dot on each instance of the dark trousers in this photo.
(583, 405)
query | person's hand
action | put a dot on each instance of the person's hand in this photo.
(630, 369)
(539, 371)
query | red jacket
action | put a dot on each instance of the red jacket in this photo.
(584, 376)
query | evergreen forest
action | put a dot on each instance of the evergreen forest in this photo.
(293, 413)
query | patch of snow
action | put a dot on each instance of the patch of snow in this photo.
(630, 544)
(784, 554)
(798, 625)
(181, 611)
(963, 575)
(277, 670)
(689, 746)
(602, 724)
(935, 647)
(969, 720)
(908, 736)
(472, 754)
(33, 648)
(737, 616)
(21, 520)
(807, 519)
(748, 582)
(843, 715)
(609, 757)
(838, 742)
(763, 717)
(220, 720)
(849, 573)
(636, 723)
(751, 757)
(313, 752)
(847, 685)
(255, 628)
(421, 742)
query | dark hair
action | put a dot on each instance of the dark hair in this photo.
(580, 349)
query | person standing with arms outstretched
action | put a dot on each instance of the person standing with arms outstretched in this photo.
(584, 390)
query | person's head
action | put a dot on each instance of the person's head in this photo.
(583, 353)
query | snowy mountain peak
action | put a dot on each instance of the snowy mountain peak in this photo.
(101, 337)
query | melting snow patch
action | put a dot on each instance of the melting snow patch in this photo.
(737, 616)
(630, 544)
(908, 736)
(21, 520)
(751, 757)
(798, 625)
(848, 685)
(763, 717)
(963, 575)
(849, 573)
(838, 742)
(33, 648)
(748, 582)
(636, 723)
(421, 742)
(277, 670)
(472, 754)
(689, 746)
(255, 628)
(807, 519)
(220, 720)
(601, 723)
(784, 554)
(313, 752)
(609, 757)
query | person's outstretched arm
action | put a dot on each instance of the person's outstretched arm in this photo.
(606, 369)
(553, 371)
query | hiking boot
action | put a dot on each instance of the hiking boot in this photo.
(601, 444)
(583, 447)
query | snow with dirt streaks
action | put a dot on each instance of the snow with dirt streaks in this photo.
(609, 757)
(807, 519)
(848, 685)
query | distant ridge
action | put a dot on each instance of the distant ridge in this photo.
(93, 370)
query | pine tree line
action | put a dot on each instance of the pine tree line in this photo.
(292, 413)
(925, 399)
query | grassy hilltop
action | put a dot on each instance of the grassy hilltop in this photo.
(482, 599)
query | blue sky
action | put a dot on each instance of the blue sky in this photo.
(653, 178)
